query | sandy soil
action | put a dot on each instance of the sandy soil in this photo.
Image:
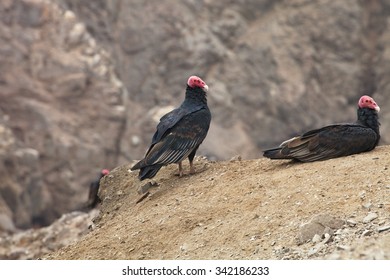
(246, 209)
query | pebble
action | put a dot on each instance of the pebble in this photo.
(254, 237)
(328, 221)
(366, 233)
(367, 205)
(315, 249)
(316, 239)
(351, 222)
(370, 217)
(320, 224)
(145, 188)
(384, 228)
(184, 247)
(327, 238)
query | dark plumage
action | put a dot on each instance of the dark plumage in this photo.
(93, 198)
(334, 140)
(179, 133)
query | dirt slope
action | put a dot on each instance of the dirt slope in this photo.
(249, 209)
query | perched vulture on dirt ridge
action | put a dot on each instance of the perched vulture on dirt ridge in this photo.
(334, 140)
(179, 133)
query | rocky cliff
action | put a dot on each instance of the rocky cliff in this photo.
(60, 111)
(82, 83)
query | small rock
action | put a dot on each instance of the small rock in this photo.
(308, 230)
(367, 232)
(351, 222)
(367, 205)
(328, 221)
(254, 237)
(316, 239)
(184, 247)
(327, 238)
(315, 249)
(319, 224)
(384, 228)
(370, 217)
(329, 231)
(145, 188)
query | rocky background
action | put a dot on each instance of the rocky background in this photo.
(82, 83)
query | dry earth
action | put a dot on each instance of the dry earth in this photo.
(246, 209)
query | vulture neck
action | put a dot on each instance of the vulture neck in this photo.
(369, 118)
(195, 95)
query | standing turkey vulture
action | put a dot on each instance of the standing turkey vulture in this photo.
(179, 133)
(93, 198)
(334, 140)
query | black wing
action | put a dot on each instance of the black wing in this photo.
(170, 119)
(177, 142)
(325, 143)
(166, 122)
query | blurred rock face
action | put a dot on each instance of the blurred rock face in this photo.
(82, 82)
(275, 68)
(58, 116)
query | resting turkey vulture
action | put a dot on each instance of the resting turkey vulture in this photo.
(179, 133)
(93, 198)
(334, 140)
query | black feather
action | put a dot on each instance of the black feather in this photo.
(178, 135)
(332, 141)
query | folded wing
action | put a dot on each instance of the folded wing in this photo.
(325, 143)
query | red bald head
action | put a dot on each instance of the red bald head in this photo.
(368, 102)
(105, 172)
(195, 81)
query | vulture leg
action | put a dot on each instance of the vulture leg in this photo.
(192, 169)
(191, 159)
(180, 172)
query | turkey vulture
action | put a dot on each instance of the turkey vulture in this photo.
(93, 198)
(179, 133)
(334, 140)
